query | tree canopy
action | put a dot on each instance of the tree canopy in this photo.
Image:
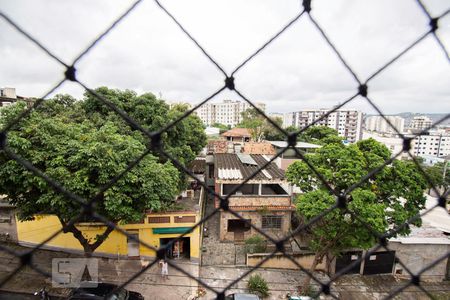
(439, 175)
(83, 145)
(222, 127)
(389, 198)
(260, 128)
(320, 135)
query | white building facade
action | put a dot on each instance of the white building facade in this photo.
(420, 123)
(379, 124)
(433, 144)
(227, 112)
(348, 123)
(7, 95)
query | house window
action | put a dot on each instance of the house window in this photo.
(272, 189)
(246, 189)
(159, 219)
(272, 222)
(184, 219)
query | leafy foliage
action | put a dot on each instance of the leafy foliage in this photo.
(82, 145)
(389, 198)
(260, 128)
(222, 127)
(183, 141)
(257, 284)
(437, 175)
(255, 244)
(320, 135)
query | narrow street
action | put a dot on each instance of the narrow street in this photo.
(150, 284)
(180, 286)
(216, 253)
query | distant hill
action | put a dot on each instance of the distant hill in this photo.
(408, 116)
(435, 117)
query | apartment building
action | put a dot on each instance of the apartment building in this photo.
(420, 123)
(7, 96)
(379, 124)
(227, 112)
(434, 143)
(348, 123)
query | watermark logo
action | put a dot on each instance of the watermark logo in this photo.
(74, 272)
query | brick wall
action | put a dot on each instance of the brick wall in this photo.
(256, 219)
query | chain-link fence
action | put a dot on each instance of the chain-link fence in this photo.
(156, 143)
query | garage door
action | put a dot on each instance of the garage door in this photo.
(346, 259)
(379, 263)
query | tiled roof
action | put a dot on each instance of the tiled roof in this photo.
(227, 161)
(218, 147)
(198, 165)
(239, 132)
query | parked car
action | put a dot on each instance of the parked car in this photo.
(240, 296)
(102, 290)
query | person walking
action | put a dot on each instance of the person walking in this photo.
(164, 269)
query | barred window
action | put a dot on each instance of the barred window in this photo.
(159, 219)
(184, 219)
(273, 222)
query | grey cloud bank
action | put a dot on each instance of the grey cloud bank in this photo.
(148, 52)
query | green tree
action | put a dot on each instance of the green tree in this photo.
(389, 198)
(222, 127)
(260, 128)
(321, 135)
(440, 178)
(271, 133)
(255, 122)
(183, 141)
(82, 146)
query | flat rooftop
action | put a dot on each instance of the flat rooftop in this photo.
(300, 145)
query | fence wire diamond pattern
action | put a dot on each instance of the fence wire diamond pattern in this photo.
(156, 144)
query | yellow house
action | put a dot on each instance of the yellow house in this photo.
(157, 229)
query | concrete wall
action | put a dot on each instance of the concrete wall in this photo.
(286, 162)
(259, 201)
(256, 219)
(279, 261)
(8, 230)
(418, 256)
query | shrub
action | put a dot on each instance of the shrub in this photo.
(255, 244)
(311, 291)
(258, 285)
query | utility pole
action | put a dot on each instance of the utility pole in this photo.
(446, 159)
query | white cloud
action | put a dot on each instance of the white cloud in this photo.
(148, 52)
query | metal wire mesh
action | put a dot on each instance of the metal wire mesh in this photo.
(291, 138)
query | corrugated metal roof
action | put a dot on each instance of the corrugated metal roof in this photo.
(231, 161)
(229, 174)
(266, 174)
(246, 159)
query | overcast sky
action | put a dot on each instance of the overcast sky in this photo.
(148, 52)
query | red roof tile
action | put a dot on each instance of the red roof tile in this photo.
(239, 132)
